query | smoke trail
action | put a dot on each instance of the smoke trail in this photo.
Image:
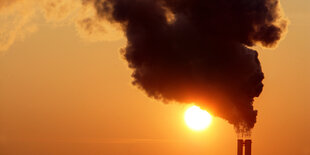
(18, 20)
(201, 55)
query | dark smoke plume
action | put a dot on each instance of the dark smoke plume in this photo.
(198, 50)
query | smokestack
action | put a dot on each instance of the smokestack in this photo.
(240, 147)
(248, 146)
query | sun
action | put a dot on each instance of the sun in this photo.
(197, 119)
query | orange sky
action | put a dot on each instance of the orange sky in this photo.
(63, 91)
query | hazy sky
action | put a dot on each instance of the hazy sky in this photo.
(64, 90)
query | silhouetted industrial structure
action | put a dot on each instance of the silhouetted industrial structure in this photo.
(247, 144)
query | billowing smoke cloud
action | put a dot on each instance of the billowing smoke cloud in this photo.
(201, 53)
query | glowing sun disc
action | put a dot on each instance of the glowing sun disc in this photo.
(197, 119)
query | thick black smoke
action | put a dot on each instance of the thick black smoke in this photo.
(201, 52)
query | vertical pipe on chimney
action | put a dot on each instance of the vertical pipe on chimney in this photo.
(248, 144)
(240, 147)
